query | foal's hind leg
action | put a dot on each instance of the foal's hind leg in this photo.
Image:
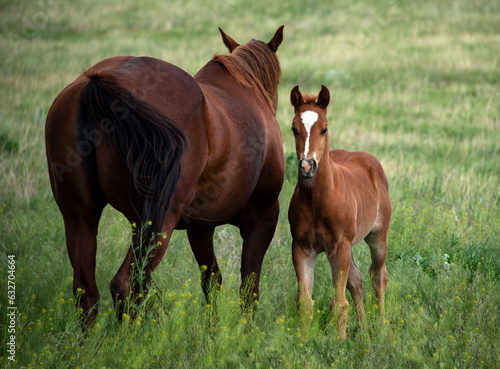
(201, 241)
(377, 241)
(355, 287)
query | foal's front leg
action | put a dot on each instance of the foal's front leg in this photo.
(339, 258)
(304, 262)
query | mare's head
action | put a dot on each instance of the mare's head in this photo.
(255, 64)
(310, 129)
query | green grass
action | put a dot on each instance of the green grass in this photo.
(415, 83)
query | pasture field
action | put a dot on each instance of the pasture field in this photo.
(415, 83)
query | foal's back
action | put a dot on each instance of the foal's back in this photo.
(360, 165)
(365, 179)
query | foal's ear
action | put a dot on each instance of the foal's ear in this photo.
(323, 97)
(296, 97)
(228, 41)
(276, 40)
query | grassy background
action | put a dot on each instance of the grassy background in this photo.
(415, 83)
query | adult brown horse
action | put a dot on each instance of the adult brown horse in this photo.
(169, 151)
(341, 198)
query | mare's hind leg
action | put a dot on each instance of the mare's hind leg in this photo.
(120, 284)
(377, 241)
(81, 220)
(81, 207)
(355, 287)
(257, 227)
(81, 245)
(201, 241)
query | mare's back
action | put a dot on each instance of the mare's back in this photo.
(166, 86)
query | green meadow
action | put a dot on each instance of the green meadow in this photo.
(416, 83)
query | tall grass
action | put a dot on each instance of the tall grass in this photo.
(415, 83)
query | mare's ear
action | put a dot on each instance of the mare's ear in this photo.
(296, 97)
(228, 41)
(323, 97)
(276, 40)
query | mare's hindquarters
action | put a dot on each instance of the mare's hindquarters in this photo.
(106, 145)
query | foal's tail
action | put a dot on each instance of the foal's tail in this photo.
(147, 142)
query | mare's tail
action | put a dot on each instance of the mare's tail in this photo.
(148, 143)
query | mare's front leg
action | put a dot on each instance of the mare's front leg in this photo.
(257, 227)
(339, 257)
(201, 241)
(304, 262)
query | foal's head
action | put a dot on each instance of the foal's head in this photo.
(310, 129)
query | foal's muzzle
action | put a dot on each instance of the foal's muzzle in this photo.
(307, 168)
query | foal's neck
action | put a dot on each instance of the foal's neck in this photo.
(324, 179)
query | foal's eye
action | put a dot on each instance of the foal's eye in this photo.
(323, 131)
(295, 132)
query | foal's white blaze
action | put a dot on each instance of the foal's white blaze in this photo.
(308, 119)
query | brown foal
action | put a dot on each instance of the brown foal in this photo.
(341, 198)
